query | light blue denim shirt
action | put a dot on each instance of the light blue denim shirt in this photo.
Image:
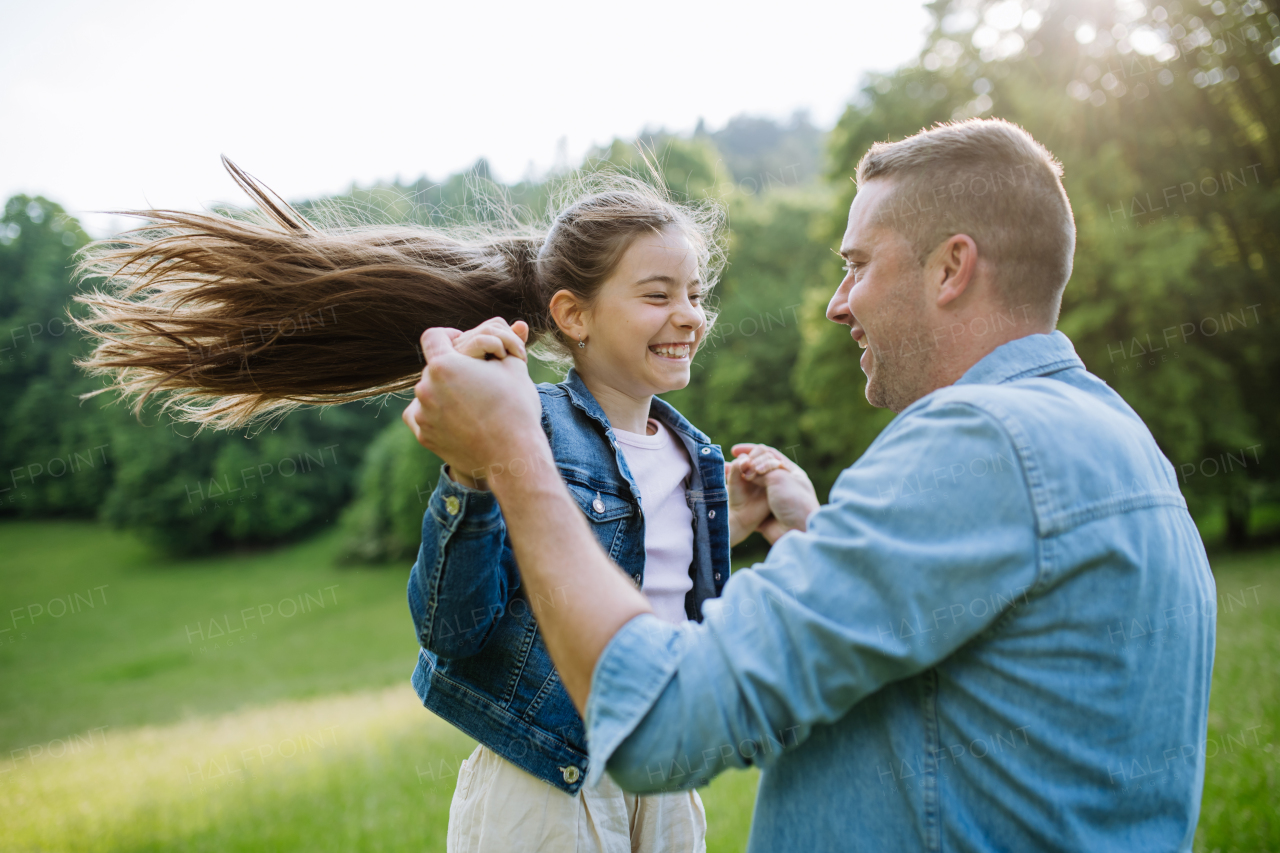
(998, 635)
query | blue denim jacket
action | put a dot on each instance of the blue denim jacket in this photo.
(483, 665)
(998, 635)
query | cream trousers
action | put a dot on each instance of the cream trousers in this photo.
(499, 808)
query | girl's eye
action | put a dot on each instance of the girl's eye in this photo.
(655, 296)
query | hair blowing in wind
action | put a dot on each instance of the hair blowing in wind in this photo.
(232, 320)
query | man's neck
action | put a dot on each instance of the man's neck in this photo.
(959, 358)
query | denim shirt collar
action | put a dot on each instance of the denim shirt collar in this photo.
(1033, 355)
(659, 409)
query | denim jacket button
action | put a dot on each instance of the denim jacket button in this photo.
(570, 774)
(717, 576)
(636, 578)
(711, 513)
(706, 450)
(597, 505)
(451, 505)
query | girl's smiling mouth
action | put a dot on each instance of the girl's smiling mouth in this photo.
(674, 351)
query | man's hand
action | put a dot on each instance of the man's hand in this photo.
(492, 339)
(481, 418)
(788, 491)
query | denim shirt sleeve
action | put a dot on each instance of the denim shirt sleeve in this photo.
(929, 540)
(459, 586)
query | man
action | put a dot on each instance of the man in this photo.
(998, 635)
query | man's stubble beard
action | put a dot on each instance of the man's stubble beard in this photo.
(904, 356)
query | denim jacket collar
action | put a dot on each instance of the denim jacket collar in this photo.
(1034, 355)
(659, 409)
(582, 397)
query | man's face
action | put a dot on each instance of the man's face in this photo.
(883, 302)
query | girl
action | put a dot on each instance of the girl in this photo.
(615, 288)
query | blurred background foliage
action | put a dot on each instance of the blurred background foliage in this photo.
(1166, 118)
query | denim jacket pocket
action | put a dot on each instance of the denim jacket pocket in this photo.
(610, 516)
(599, 505)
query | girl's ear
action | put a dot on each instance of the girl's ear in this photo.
(569, 314)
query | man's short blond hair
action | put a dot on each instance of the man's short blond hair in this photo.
(991, 180)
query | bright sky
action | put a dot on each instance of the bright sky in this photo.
(128, 104)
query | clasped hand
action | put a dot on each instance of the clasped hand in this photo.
(479, 414)
(767, 493)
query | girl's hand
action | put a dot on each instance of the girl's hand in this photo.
(748, 502)
(788, 491)
(494, 339)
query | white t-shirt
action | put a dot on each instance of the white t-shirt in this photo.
(661, 469)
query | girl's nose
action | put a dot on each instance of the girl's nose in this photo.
(689, 316)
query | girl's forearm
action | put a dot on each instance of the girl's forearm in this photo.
(457, 586)
(738, 530)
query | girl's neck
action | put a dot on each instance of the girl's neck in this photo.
(625, 412)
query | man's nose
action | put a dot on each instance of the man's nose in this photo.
(838, 308)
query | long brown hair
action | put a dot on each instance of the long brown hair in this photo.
(242, 319)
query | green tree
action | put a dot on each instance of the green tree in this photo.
(1166, 122)
(743, 385)
(65, 456)
(384, 521)
(54, 453)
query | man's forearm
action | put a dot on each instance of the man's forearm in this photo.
(579, 596)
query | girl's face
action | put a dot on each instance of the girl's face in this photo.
(647, 319)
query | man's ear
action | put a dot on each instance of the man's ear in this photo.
(954, 266)
(568, 313)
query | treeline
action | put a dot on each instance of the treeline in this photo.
(61, 456)
(64, 457)
(1165, 118)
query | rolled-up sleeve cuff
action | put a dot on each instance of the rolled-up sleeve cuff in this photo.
(631, 674)
(456, 506)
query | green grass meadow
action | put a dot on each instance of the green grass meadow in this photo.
(260, 701)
